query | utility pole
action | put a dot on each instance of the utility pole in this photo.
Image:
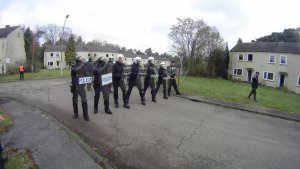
(61, 50)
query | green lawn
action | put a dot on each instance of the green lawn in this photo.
(42, 74)
(238, 92)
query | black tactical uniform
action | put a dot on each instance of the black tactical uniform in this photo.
(173, 73)
(254, 86)
(118, 81)
(163, 77)
(90, 66)
(101, 68)
(151, 76)
(78, 71)
(135, 80)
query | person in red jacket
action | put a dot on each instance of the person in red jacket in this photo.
(21, 70)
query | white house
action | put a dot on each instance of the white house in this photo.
(52, 55)
(12, 50)
(277, 62)
(53, 59)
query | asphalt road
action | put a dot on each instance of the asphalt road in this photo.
(173, 133)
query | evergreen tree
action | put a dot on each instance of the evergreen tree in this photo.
(70, 52)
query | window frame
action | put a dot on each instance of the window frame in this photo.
(49, 65)
(239, 57)
(285, 60)
(267, 76)
(236, 74)
(270, 58)
(248, 57)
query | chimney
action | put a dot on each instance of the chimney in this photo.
(7, 26)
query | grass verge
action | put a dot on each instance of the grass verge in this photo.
(42, 74)
(238, 92)
(17, 158)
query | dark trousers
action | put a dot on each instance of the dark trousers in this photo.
(174, 84)
(138, 84)
(79, 90)
(253, 91)
(105, 91)
(164, 84)
(150, 82)
(21, 75)
(119, 82)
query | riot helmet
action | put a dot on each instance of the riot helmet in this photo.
(120, 58)
(111, 58)
(137, 60)
(151, 60)
(163, 65)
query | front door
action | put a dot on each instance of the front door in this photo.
(281, 82)
(249, 75)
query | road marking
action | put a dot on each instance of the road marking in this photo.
(52, 84)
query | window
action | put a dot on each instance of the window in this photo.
(272, 59)
(51, 54)
(283, 60)
(57, 55)
(95, 54)
(112, 54)
(89, 54)
(298, 84)
(107, 55)
(241, 57)
(268, 76)
(238, 72)
(50, 63)
(250, 57)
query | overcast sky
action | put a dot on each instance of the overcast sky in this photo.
(142, 24)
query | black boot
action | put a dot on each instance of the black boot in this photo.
(116, 104)
(177, 91)
(165, 94)
(75, 108)
(85, 111)
(106, 107)
(96, 101)
(143, 101)
(126, 105)
(153, 95)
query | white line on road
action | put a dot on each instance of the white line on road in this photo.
(52, 84)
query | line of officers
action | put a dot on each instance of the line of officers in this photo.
(154, 77)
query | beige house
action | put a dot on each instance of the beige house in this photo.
(12, 50)
(277, 62)
(52, 54)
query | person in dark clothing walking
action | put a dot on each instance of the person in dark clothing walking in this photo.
(173, 74)
(80, 77)
(101, 72)
(90, 66)
(150, 78)
(163, 77)
(118, 81)
(254, 86)
(135, 79)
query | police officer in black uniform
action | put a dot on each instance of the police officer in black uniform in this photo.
(78, 71)
(101, 68)
(163, 77)
(135, 79)
(173, 73)
(151, 76)
(90, 66)
(118, 81)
